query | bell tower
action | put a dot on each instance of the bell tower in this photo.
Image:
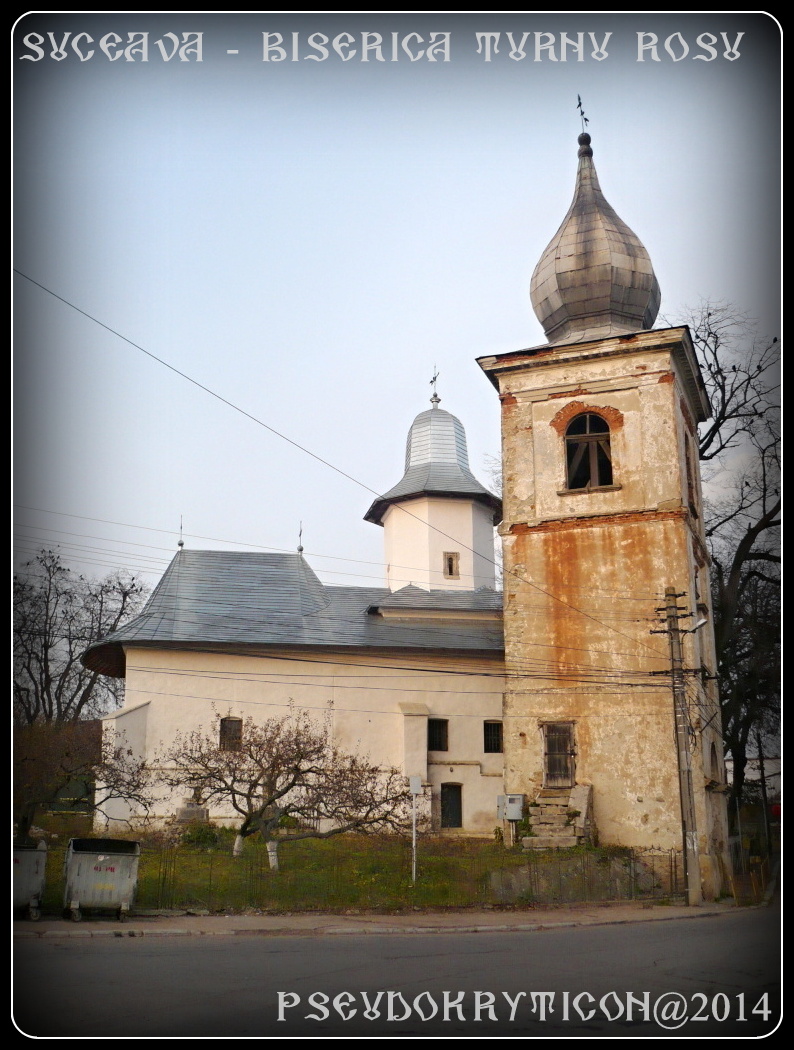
(602, 517)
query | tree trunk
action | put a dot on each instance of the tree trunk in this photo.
(272, 855)
(237, 848)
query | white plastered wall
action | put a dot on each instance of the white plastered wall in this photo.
(377, 705)
(418, 533)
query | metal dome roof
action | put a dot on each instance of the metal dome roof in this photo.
(595, 279)
(436, 463)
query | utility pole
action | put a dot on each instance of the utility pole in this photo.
(694, 893)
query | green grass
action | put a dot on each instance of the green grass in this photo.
(345, 872)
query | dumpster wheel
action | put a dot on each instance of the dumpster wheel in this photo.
(34, 913)
(121, 914)
(76, 915)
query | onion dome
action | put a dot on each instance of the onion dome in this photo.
(595, 279)
(436, 464)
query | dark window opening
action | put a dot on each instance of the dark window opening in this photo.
(588, 452)
(451, 565)
(451, 806)
(690, 477)
(437, 734)
(492, 738)
(714, 763)
(231, 735)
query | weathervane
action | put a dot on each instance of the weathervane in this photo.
(580, 107)
(435, 399)
(181, 542)
(300, 538)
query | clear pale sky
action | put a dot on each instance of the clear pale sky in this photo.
(311, 239)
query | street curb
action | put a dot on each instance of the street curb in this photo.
(356, 931)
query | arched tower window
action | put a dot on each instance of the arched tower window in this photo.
(587, 452)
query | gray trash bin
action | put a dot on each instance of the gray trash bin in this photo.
(100, 873)
(30, 863)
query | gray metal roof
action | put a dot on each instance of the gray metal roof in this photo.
(485, 599)
(595, 278)
(437, 464)
(229, 601)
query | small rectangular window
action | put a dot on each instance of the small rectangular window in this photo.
(451, 565)
(492, 738)
(231, 734)
(437, 734)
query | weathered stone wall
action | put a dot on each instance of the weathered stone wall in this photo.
(585, 572)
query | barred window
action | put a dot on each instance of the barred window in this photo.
(437, 734)
(231, 734)
(492, 738)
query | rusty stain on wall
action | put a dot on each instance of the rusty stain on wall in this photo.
(595, 565)
(580, 392)
(588, 522)
(687, 416)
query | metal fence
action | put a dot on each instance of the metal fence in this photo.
(561, 877)
(380, 879)
(751, 869)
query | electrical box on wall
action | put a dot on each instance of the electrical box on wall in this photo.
(509, 807)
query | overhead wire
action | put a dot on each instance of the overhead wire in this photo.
(650, 596)
(313, 455)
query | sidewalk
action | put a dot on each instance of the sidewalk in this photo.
(186, 924)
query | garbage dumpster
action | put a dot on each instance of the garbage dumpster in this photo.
(100, 873)
(30, 862)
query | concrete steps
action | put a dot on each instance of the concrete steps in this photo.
(560, 818)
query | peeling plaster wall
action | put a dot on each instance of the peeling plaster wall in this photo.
(579, 620)
(585, 576)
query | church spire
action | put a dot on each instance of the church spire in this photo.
(438, 519)
(436, 464)
(595, 279)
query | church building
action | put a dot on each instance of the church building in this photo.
(582, 697)
(410, 674)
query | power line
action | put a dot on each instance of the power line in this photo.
(650, 596)
(313, 455)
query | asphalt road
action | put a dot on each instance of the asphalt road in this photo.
(709, 976)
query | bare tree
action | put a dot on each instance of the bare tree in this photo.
(741, 372)
(52, 759)
(286, 780)
(741, 444)
(57, 615)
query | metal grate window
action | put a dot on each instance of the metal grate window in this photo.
(492, 738)
(231, 734)
(437, 734)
